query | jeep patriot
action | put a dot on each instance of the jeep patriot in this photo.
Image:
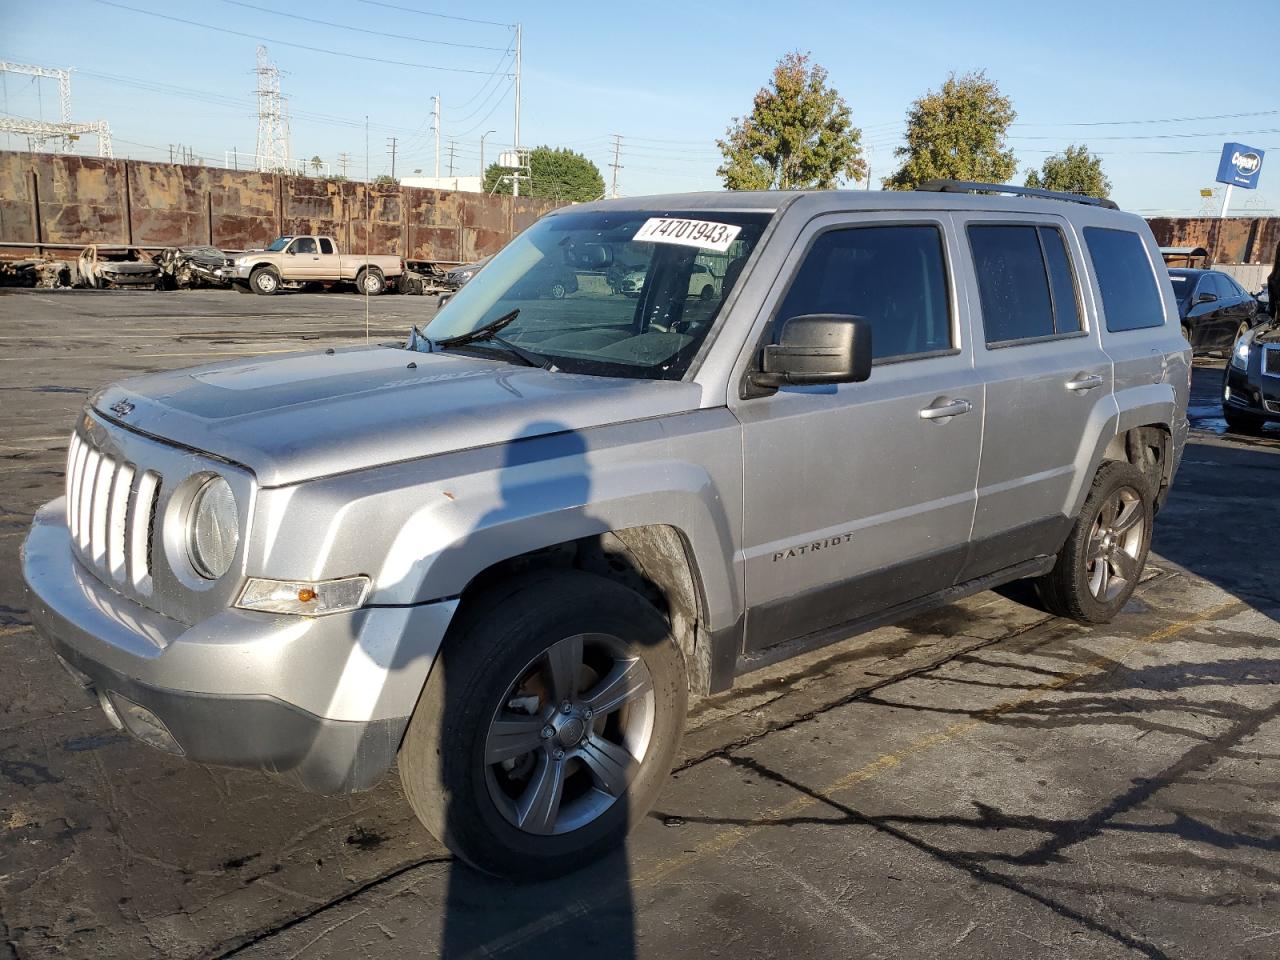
(505, 553)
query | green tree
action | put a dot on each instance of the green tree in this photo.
(798, 135)
(554, 173)
(1074, 170)
(385, 180)
(316, 163)
(957, 133)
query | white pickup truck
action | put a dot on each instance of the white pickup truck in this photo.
(291, 262)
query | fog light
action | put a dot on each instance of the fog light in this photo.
(145, 725)
(109, 709)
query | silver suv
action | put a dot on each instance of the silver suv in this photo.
(506, 552)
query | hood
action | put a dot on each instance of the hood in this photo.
(126, 266)
(1267, 332)
(300, 416)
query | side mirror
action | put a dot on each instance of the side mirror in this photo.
(1207, 298)
(817, 348)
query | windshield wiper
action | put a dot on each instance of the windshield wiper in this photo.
(490, 331)
(483, 332)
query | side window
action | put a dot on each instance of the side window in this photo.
(1062, 282)
(1025, 282)
(894, 276)
(304, 245)
(1130, 297)
(326, 245)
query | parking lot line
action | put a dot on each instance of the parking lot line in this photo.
(729, 838)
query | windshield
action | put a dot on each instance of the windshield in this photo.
(278, 244)
(621, 293)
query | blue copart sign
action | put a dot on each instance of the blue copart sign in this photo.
(1240, 166)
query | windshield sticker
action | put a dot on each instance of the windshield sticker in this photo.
(704, 234)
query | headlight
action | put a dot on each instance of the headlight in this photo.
(1240, 352)
(304, 597)
(213, 529)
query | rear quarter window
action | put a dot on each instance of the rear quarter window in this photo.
(1130, 298)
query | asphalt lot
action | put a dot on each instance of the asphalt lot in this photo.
(983, 781)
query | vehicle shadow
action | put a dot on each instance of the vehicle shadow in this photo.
(545, 468)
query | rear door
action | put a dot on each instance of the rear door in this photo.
(860, 496)
(1047, 379)
(328, 264)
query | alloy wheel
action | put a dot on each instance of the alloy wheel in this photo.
(570, 735)
(1115, 544)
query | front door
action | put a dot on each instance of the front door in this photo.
(301, 260)
(860, 497)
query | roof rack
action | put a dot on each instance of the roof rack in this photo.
(967, 186)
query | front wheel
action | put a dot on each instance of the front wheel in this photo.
(1240, 422)
(557, 290)
(265, 281)
(547, 727)
(1099, 566)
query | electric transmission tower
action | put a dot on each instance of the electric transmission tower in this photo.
(67, 131)
(617, 149)
(273, 118)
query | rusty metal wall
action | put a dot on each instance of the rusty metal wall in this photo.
(51, 199)
(1233, 240)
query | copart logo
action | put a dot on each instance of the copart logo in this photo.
(1246, 164)
(122, 408)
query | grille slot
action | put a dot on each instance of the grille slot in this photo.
(1271, 361)
(111, 513)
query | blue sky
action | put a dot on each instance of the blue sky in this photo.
(1128, 79)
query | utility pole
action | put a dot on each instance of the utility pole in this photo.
(515, 180)
(617, 148)
(344, 161)
(451, 148)
(435, 117)
(391, 145)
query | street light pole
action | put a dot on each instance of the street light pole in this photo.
(515, 180)
(485, 134)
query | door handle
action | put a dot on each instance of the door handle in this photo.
(1082, 383)
(940, 411)
(315, 258)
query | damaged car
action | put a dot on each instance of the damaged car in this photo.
(189, 267)
(101, 267)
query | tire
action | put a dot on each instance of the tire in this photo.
(557, 290)
(1240, 422)
(1082, 585)
(265, 281)
(708, 292)
(496, 657)
(371, 281)
(1186, 333)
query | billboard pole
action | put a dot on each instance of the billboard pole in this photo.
(1226, 201)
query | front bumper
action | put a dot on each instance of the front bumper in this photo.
(322, 701)
(1252, 391)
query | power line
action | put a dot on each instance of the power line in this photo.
(429, 13)
(349, 27)
(288, 43)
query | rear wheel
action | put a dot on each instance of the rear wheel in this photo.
(1099, 566)
(557, 290)
(548, 726)
(371, 281)
(1186, 333)
(708, 292)
(265, 280)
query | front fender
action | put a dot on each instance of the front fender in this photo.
(423, 530)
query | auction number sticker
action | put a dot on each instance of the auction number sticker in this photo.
(704, 234)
